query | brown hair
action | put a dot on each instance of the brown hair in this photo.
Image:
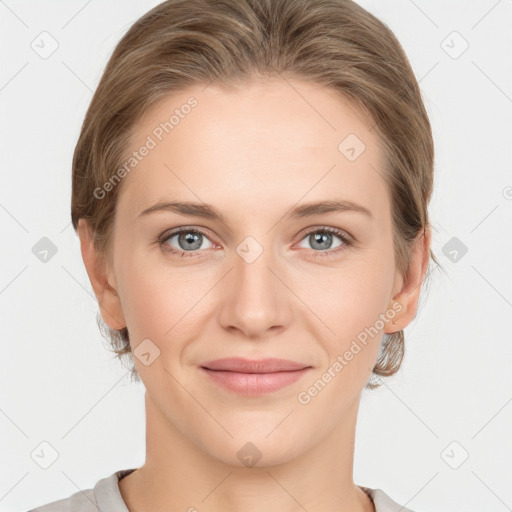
(334, 43)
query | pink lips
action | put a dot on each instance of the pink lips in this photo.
(254, 377)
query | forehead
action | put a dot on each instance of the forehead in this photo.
(270, 141)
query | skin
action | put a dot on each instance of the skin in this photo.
(253, 154)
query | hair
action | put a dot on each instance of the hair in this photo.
(332, 43)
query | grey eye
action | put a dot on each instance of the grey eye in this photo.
(189, 240)
(321, 240)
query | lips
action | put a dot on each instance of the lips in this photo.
(254, 377)
(242, 365)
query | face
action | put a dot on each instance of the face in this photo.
(263, 281)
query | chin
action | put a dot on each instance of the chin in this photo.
(249, 448)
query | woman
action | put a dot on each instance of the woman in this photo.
(250, 189)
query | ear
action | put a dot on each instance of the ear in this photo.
(410, 285)
(101, 278)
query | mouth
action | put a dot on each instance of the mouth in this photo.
(254, 377)
(242, 365)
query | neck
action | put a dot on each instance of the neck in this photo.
(180, 475)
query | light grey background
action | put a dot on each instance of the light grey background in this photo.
(452, 397)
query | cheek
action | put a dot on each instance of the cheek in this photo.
(348, 301)
(145, 306)
(161, 303)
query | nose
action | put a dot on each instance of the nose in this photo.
(255, 299)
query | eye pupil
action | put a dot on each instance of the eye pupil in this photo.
(320, 238)
(190, 239)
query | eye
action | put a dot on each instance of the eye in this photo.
(188, 241)
(321, 240)
(191, 240)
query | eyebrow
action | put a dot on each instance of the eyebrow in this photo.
(207, 211)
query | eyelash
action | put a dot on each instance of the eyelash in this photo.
(347, 242)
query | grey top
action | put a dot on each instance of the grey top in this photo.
(106, 497)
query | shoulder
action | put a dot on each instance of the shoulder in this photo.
(104, 496)
(382, 502)
(81, 501)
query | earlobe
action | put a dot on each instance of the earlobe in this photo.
(409, 294)
(97, 270)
